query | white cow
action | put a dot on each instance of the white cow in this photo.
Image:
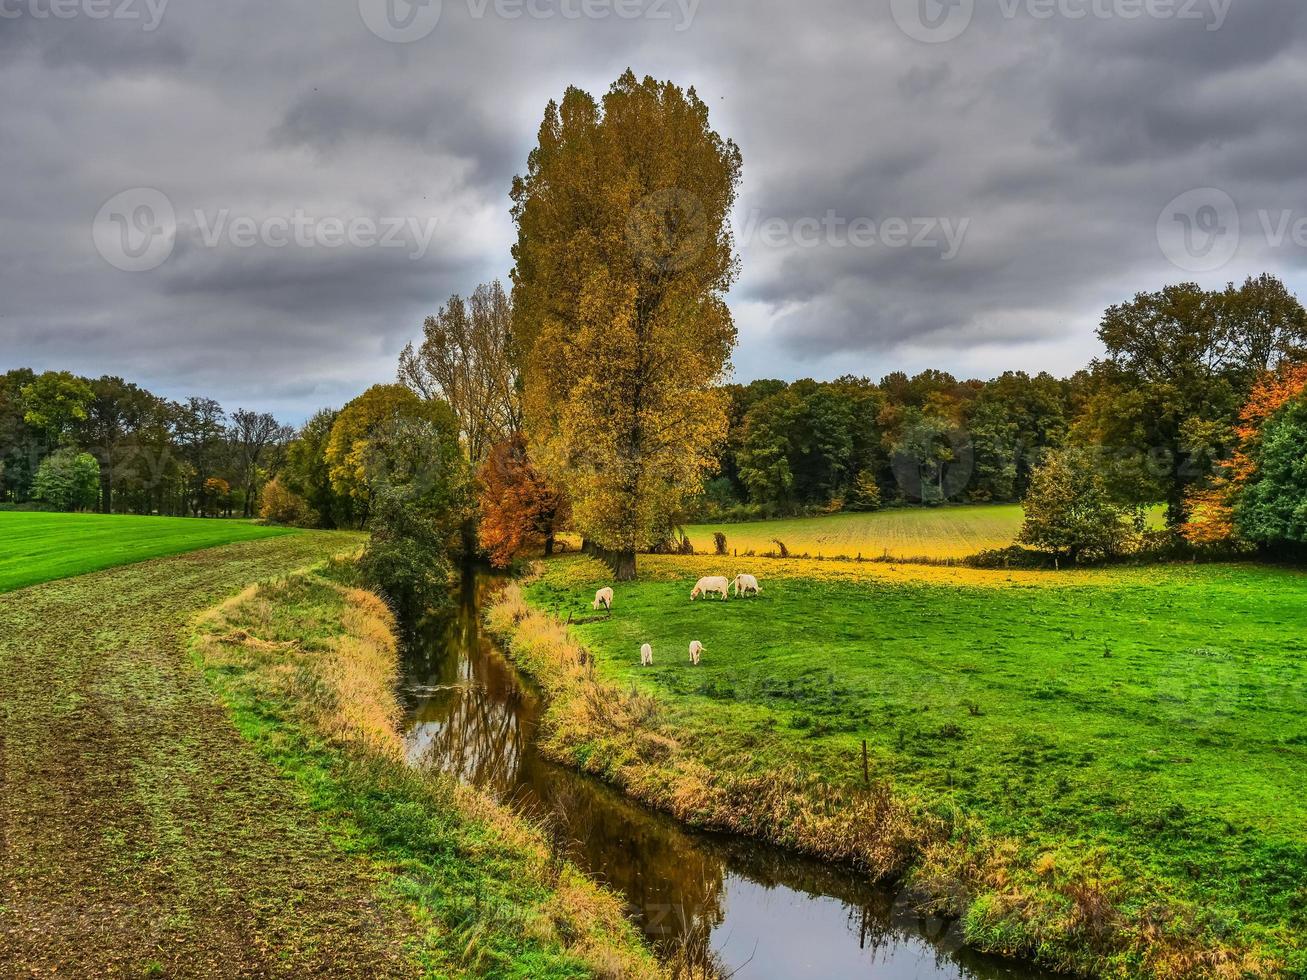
(744, 584)
(646, 656)
(604, 597)
(696, 648)
(719, 584)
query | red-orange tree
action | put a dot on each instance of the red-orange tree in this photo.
(1212, 510)
(519, 507)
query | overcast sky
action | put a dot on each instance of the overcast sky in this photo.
(925, 184)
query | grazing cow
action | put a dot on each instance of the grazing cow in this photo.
(696, 648)
(744, 584)
(646, 656)
(604, 597)
(719, 584)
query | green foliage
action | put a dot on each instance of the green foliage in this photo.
(1272, 508)
(1181, 362)
(346, 451)
(55, 402)
(1070, 511)
(68, 480)
(421, 491)
(308, 473)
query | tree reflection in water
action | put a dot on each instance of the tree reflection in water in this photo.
(708, 903)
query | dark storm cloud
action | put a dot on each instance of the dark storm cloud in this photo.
(1048, 145)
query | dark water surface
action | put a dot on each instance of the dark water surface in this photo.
(762, 913)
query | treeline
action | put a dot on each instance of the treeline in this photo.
(592, 397)
(73, 443)
(854, 444)
(1156, 418)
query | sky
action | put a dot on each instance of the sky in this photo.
(261, 201)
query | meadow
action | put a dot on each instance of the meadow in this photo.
(38, 547)
(909, 532)
(1144, 730)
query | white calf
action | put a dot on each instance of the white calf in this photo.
(744, 584)
(604, 597)
(717, 584)
(646, 656)
(696, 648)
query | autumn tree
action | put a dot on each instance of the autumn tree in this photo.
(470, 360)
(519, 507)
(254, 437)
(307, 473)
(1180, 363)
(623, 258)
(346, 450)
(420, 488)
(1070, 511)
(1214, 509)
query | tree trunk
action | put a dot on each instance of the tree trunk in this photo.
(549, 545)
(621, 562)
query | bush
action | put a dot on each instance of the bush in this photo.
(281, 505)
(1069, 511)
(68, 480)
(406, 558)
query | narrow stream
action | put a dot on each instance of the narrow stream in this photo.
(757, 912)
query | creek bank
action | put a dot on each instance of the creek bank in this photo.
(308, 668)
(1010, 898)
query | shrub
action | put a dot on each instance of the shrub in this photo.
(1069, 510)
(281, 505)
(68, 480)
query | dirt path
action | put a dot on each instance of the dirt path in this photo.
(139, 836)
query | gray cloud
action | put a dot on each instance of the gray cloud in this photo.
(1058, 141)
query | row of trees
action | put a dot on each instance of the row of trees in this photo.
(593, 397)
(147, 454)
(1159, 411)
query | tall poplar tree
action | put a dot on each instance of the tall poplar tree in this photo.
(623, 258)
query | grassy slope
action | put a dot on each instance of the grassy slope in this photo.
(309, 670)
(38, 547)
(948, 532)
(142, 837)
(1160, 715)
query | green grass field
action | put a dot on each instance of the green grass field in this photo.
(38, 548)
(943, 532)
(1158, 716)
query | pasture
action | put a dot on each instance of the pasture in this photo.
(1153, 721)
(903, 533)
(37, 547)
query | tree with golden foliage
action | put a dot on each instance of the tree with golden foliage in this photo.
(519, 508)
(346, 453)
(623, 258)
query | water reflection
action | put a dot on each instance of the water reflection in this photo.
(756, 910)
